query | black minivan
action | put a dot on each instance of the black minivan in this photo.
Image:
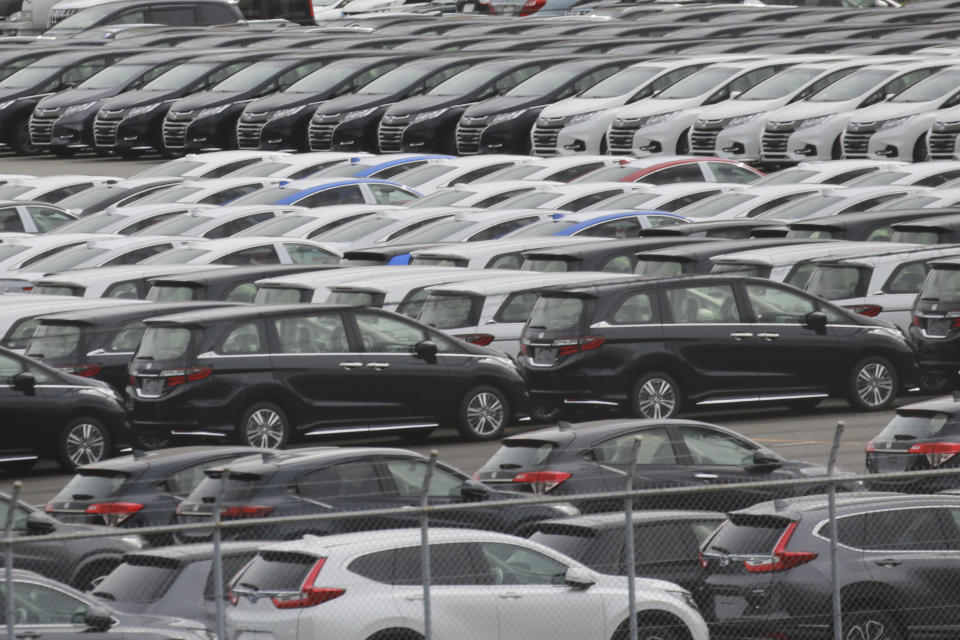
(274, 374)
(659, 346)
(935, 324)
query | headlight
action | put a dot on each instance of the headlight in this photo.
(107, 392)
(212, 111)
(283, 113)
(737, 121)
(896, 334)
(353, 115)
(430, 115)
(5, 104)
(500, 362)
(812, 122)
(134, 541)
(139, 111)
(895, 122)
(510, 115)
(583, 117)
(660, 117)
(80, 107)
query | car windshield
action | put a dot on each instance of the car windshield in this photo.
(542, 228)
(261, 169)
(915, 424)
(544, 82)
(781, 84)
(253, 76)
(90, 224)
(878, 179)
(787, 176)
(741, 269)
(178, 225)
(838, 282)
(181, 76)
(852, 86)
(84, 199)
(803, 208)
(932, 88)
(176, 256)
(29, 77)
(174, 168)
(530, 200)
(277, 226)
(83, 19)
(632, 200)
(516, 172)
(437, 231)
(165, 343)
(326, 78)
(116, 75)
(942, 284)
(699, 83)
(709, 207)
(267, 195)
(355, 230)
(452, 311)
(441, 199)
(69, 259)
(420, 175)
(467, 81)
(399, 79)
(54, 341)
(557, 313)
(626, 81)
(170, 194)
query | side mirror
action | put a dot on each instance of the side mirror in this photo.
(816, 320)
(578, 578)
(25, 382)
(98, 619)
(735, 94)
(474, 491)
(426, 350)
(765, 458)
(40, 523)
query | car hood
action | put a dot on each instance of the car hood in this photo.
(802, 110)
(75, 96)
(138, 98)
(356, 102)
(574, 106)
(419, 104)
(733, 108)
(207, 99)
(658, 105)
(889, 110)
(948, 115)
(11, 94)
(504, 104)
(279, 101)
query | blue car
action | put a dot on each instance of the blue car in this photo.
(626, 224)
(327, 192)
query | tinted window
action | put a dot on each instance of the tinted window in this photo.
(165, 343)
(634, 309)
(451, 311)
(54, 341)
(708, 447)
(513, 564)
(557, 313)
(311, 334)
(348, 479)
(689, 172)
(517, 307)
(910, 529)
(95, 484)
(907, 278)
(911, 424)
(775, 305)
(277, 571)
(655, 448)
(139, 579)
(837, 282)
(244, 338)
(519, 454)
(703, 305)
(408, 475)
(748, 534)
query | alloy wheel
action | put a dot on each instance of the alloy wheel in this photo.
(265, 429)
(874, 384)
(85, 444)
(485, 413)
(657, 399)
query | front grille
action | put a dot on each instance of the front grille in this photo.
(390, 137)
(620, 136)
(248, 134)
(56, 15)
(41, 125)
(942, 145)
(773, 143)
(468, 138)
(545, 135)
(320, 132)
(855, 145)
(175, 133)
(703, 141)
(105, 126)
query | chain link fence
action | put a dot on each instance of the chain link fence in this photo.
(872, 566)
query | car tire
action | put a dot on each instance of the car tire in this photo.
(396, 634)
(873, 384)
(871, 625)
(265, 426)
(483, 414)
(655, 395)
(82, 441)
(20, 140)
(920, 153)
(683, 143)
(654, 627)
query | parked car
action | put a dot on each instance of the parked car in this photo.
(32, 217)
(69, 18)
(612, 256)
(939, 229)
(247, 251)
(212, 282)
(865, 226)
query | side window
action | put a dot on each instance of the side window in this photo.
(729, 172)
(10, 367)
(10, 219)
(47, 219)
(301, 253)
(655, 448)
(125, 290)
(689, 172)
(243, 292)
(225, 196)
(368, 76)
(174, 15)
(505, 261)
(618, 264)
(662, 542)
(686, 200)
(906, 278)
(661, 83)
(661, 221)
(497, 230)
(347, 479)
(230, 167)
(778, 306)
(880, 234)
(928, 529)
(847, 176)
(413, 302)
(513, 564)
(715, 448)
(821, 84)
(387, 194)
(330, 197)
(218, 14)
(182, 481)
(628, 227)
(703, 305)
(237, 225)
(59, 194)
(219, 76)
(407, 476)
(133, 16)
(517, 307)
(593, 78)
(388, 172)
(311, 334)
(386, 334)
(137, 255)
(634, 309)
(939, 179)
(265, 254)
(443, 75)
(19, 515)
(509, 81)
(593, 198)
(127, 338)
(741, 84)
(37, 604)
(574, 172)
(231, 563)
(244, 338)
(296, 73)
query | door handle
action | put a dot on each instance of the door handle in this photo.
(768, 336)
(889, 562)
(705, 476)
(511, 595)
(350, 365)
(414, 598)
(378, 365)
(736, 335)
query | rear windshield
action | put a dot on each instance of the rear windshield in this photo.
(545, 265)
(732, 268)
(820, 234)
(557, 313)
(170, 293)
(451, 311)
(92, 485)
(658, 267)
(916, 237)
(57, 290)
(941, 285)
(519, 455)
(748, 534)
(358, 298)
(919, 425)
(281, 295)
(165, 343)
(138, 579)
(838, 282)
(54, 341)
(236, 488)
(276, 571)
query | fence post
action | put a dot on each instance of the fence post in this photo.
(218, 558)
(628, 539)
(832, 515)
(424, 545)
(8, 557)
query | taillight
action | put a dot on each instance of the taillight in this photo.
(531, 6)
(542, 481)
(114, 513)
(479, 339)
(915, 320)
(569, 346)
(246, 511)
(85, 370)
(176, 377)
(869, 310)
(309, 594)
(780, 559)
(871, 447)
(937, 453)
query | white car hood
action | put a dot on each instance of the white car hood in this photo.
(573, 106)
(653, 106)
(733, 108)
(889, 110)
(803, 110)
(949, 115)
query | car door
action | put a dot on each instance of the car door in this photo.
(402, 388)
(43, 611)
(314, 361)
(534, 603)
(349, 485)
(17, 405)
(657, 464)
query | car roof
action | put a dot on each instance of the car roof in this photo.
(794, 508)
(565, 432)
(943, 223)
(944, 404)
(521, 281)
(617, 519)
(202, 275)
(853, 219)
(213, 316)
(695, 252)
(388, 539)
(94, 317)
(174, 456)
(187, 553)
(306, 457)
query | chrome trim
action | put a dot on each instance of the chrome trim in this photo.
(198, 433)
(817, 527)
(605, 403)
(321, 432)
(18, 458)
(800, 396)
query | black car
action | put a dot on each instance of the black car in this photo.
(49, 413)
(656, 347)
(696, 258)
(935, 323)
(766, 570)
(21, 91)
(138, 490)
(99, 343)
(63, 122)
(665, 542)
(726, 229)
(614, 256)
(349, 123)
(66, 23)
(76, 562)
(207, 120)
(943, 229)
(428, 122)
(275, 374)
(594, 458)
(329, 479)
(130, 123)
(869, 225)
(920, 437)
(280, 121)
(233, 284)
(503, 124)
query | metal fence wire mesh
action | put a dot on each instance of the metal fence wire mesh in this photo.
(234, 568)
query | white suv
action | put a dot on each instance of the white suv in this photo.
(367, 586)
